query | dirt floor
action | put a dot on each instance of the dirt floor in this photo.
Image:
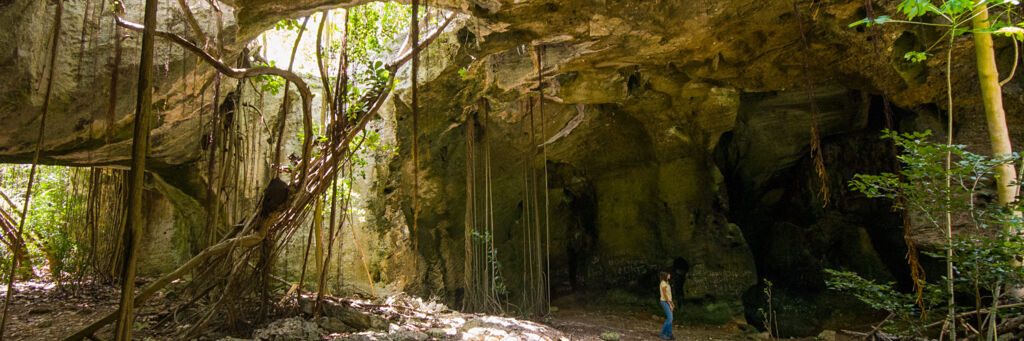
(588, 324)
(41, 311)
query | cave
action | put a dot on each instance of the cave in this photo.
(487, 169)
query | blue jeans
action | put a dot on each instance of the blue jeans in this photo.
(666, 330)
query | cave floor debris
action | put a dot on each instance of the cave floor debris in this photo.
(41, 311)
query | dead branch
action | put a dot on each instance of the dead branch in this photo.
(879, 326)
(983, 311)
(8, 200)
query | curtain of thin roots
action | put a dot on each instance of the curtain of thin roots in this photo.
(481, 275)
(533, 293)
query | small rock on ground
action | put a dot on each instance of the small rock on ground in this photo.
(333, 325)
(364, 337)
(409, 335)
(610, 336)
(436, 333)
(827, 335)
(40, 310)
(290, 329)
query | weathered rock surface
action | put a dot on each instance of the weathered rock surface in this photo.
(676, 134)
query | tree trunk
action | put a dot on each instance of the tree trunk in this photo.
(140, 144)
(992, 95)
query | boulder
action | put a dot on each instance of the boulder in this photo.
(354, 318)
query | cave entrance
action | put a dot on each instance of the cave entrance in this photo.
(580, 239)
(792, 236)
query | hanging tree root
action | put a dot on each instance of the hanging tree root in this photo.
(322, 168)
(817, 158)
(414, 34)
(284, 102)
(307, 95)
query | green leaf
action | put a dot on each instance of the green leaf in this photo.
(916, 8)
(1016, 32)
(871, 21)
(956, 7)
(916, 57)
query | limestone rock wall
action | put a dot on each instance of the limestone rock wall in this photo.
(676, 133)
(679, 145)
(79, 130)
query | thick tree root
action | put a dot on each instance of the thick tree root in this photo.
(152, 288)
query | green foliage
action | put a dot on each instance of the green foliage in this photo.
(287, 25)
(881, 19)
(984, 258)
(915, 8)
(54, 204)
(908, 318)
(768, 318)
(484, 238)
(368, 143)
(1016, 32)
(923, 182)
(988, 262)
(269, 83)
(916, 57)
(373, 28)
(956, 15)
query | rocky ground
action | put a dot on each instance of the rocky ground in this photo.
(42, 311)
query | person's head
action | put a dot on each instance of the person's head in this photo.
(664, 276)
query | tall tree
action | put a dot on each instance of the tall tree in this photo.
(140, 145)
(992, 96)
